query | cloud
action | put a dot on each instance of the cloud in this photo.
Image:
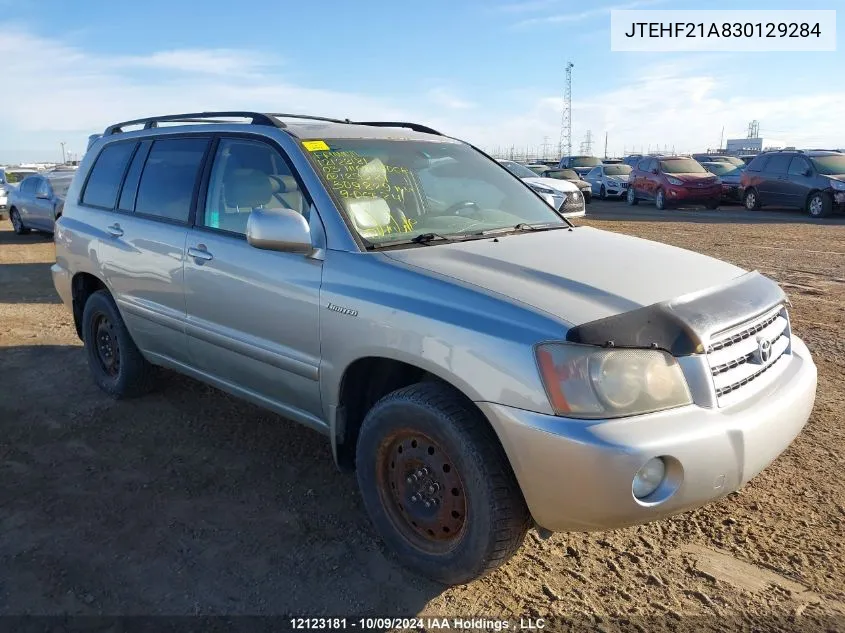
(445, 98)
(577, 16)
(57, 92)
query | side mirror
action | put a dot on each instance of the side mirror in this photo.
(279, 230)
(808, 172)
(654, 170)
(42, 196)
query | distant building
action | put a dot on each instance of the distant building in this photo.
(744, 145)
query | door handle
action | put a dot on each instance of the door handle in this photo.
(200, 254)
(115, 230)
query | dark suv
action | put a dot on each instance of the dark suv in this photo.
(673, 180)
(814, 181)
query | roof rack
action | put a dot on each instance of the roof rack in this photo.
(195, 117)
(416, 127)
(256, 118)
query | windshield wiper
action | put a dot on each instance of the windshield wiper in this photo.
(425, 238)
(525, 226)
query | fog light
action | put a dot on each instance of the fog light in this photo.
(649, 477)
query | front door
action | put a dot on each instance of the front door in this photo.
(253, 315)
(798, 183)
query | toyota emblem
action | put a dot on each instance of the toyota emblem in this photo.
(764, 349)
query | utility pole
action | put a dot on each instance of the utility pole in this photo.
(605, 144)
(64, 161)
(722, 138)
(565, 142)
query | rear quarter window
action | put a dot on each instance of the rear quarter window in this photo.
(106, 175)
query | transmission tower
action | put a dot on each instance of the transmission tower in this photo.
(565, 142)
(754, 129)
(587, 144)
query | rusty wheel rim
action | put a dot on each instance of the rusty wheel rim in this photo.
(422, 491)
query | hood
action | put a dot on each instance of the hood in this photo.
(620, 177)
(695, 178)
(552, 183)
(731, 179)
(839, 177)
(578, 275)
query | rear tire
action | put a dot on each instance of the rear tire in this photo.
(712, 205)
(116, 364)
(631, 197)
(819, 205)
(17, 223)
(751, 200)
(427, 444)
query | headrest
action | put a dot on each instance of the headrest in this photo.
(247, 188)
(283, 184)
(368, 213)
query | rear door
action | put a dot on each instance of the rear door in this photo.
(143, 225)
(773, 179)
(253, 315)
(24, 198)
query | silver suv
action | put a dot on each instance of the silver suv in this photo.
(484, 365)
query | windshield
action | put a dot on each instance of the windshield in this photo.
(829, 165)
(538, 169)
(520, 171)
(567, 174)
(395, 190)
(584, 161)
(681, 166)
(14, 177)
(617, 170)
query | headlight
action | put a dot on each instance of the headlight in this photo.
(587, 382)
(838, 185)
(674, 181)
(543, 190)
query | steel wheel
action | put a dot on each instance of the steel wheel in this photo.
(108, 347)
(422, 491)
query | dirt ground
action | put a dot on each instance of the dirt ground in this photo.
(189, 502)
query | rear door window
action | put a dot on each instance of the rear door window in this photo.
(779, 163)
(106, 175)
(169, 178)
(133, 176)
(798, 166)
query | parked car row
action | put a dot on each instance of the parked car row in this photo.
(564, 196)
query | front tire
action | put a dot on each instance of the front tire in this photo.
(17, 223)
(660, 200)
(116, 364)
(631, 198)
(751, 200)
(819, 205)
(437, 484)
(603, 193)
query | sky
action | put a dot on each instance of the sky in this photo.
(489, 71)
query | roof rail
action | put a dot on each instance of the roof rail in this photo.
(308, 117)
(257, 118)
(416, 127)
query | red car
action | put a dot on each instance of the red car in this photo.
(671, 181)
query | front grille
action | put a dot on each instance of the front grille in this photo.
(739, 355)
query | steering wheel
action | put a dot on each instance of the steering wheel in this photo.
(460, 206)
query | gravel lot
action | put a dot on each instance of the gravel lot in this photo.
(189, 502)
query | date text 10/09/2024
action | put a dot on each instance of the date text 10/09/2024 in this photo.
(426, 623)
(726, 29)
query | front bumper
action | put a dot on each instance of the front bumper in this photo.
(694, 195)
(838, 200)
(616, 190)
(577, 475)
